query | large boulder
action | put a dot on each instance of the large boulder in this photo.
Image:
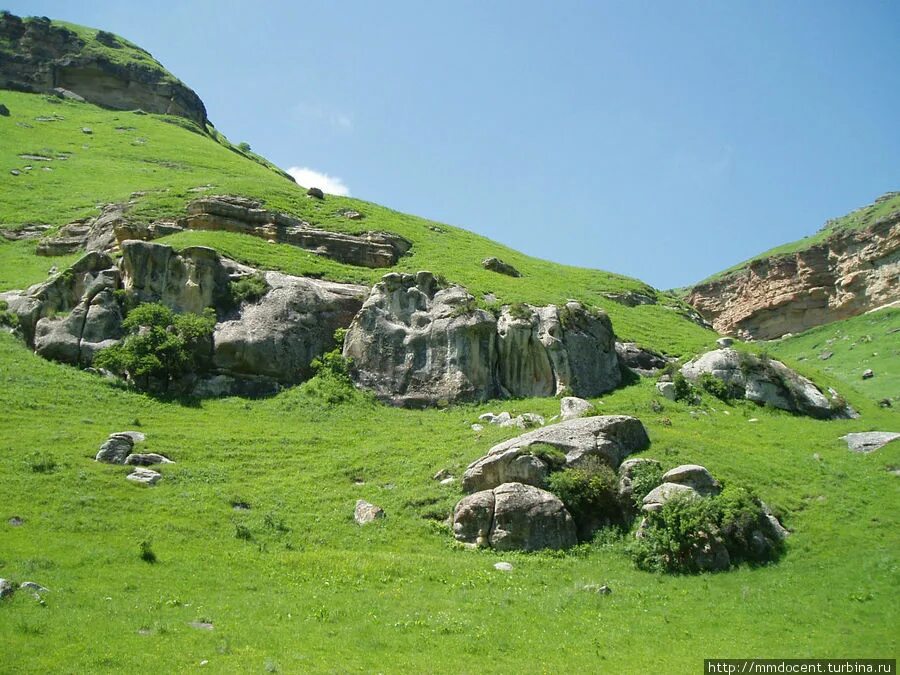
(609, 438)
(416, 344)
(694, 476)
(513, 516)
(766, 381)
(573, 407)
(869, 441)
(293, 323)
(641, 360)
(186, 281)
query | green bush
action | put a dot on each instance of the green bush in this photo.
(644, 478)
(159, 345)
(684, 390)
(589, 493)
(713, 385)
(678, 537)
(146, 551)
(7, 318)
(248, 289)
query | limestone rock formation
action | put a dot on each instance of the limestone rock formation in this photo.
(869, 441)
(766, 381)
(144, 476)
(46, 58)
(851, 272)
(366, 512)
(572, 407)
(246, 216)
(513, 516)
(293, 323)
(643, 361)
(610, 438)
(415, 343)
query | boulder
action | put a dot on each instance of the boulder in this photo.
(415, 344)
(725, 342)
(366, 512)
(94, 324)
(663, 493)
(641, 360)
(694, 476)
(766, 381)
(292, 324)
(869, 441)
(513, 516)
(144, 476)
(147, 459)
(868, 373)
(667, 389)
(116, 449)
(187, 281)
(6, 588)
(33, 587)
(497, 265)
(625, 490)
(610, 438)
(572, 407)
(315, 192)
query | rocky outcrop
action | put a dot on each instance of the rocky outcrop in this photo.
(292, 324)
(641, 360)
(513, 516)
(50, 59)
(415, 343)
(246, 216)
(500, 267)
(869, 441)
(766, 381)
(88, 234)
(524, 459)
(849, 273)
(257, 346)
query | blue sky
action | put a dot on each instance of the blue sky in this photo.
(663, 140)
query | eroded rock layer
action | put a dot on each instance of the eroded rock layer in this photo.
(850, 273)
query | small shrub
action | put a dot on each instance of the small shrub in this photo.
(243, 532)
(520, 311)
(589, 493)
(644, 478)
(7, 318)
(684, 390)
(248, 289)
(713, 385)
(41, 462)
(553, 457)
(679, 535)
(243, 146)
(146, 551)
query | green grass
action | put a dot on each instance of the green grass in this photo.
(857, 344)
(287, 582)
(166, 159)
(855, 220)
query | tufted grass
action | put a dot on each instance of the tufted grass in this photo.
(294, 584)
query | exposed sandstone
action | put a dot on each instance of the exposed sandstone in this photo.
(851, 272)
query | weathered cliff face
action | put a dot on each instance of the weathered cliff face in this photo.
(42, 58)
(848, 274)
(416, 344)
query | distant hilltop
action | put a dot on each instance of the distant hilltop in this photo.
(38, 55)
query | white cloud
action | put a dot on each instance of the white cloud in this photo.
(320, 114)
(311, 178)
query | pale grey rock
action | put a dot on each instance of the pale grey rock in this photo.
(693, 476)
(94, 324)
(487, 417)
(33, 586)
(415, 344)
(610, 438)
(147, 459)
(643, 361)
(115, 449)
(366, 512)
(497, 265)
(766, 381)
(663, 493)
(477, 427)
(869, 441)
(144, 476)
(279, 336)
(448, 481)
(725, 342)
(502, 419)
(6, 588)
(442, 474)
(868, 373)
(572, 407)
(514, 516)
(667, 389)
(503, 566)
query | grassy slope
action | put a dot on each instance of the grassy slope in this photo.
(161, 157)
(855, 220)
(857, 344)
(311, 591)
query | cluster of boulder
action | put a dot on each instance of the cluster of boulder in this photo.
(416, 342)
(508, 506)
(8, 589)
(119, 449)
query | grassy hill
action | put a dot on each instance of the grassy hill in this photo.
(288, 582)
